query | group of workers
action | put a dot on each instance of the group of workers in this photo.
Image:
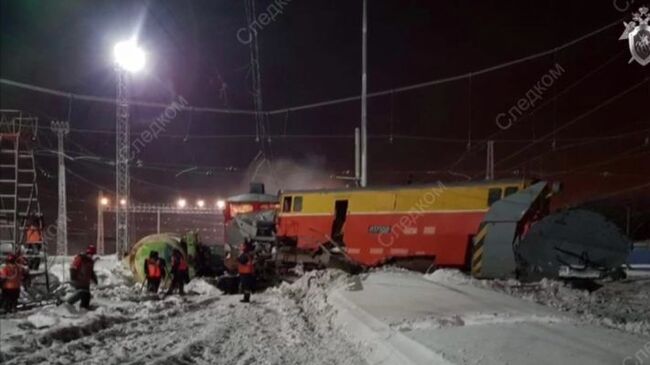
(15, 273)
(155, 273)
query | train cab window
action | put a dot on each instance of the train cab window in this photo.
(510, 190)
(494, 194)
(297, 204)
(286, 204)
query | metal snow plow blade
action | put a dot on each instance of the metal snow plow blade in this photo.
(572, 244)
(500, 232)
(518, 239)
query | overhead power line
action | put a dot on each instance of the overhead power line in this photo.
(483, 71)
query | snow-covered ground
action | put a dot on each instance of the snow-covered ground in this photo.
(447, 318)
(624, 305)
(386, 316)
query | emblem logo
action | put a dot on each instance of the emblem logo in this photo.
(637, 33)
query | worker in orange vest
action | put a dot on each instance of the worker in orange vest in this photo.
(246, 268)
(12, 275)
(154, 269)
(34, 240)
(82, 273)
(180, 273)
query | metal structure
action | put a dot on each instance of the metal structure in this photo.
(157, 209)
(364, 98)
(122, 155)
(489, 165)
(61, 129)
(18, 188)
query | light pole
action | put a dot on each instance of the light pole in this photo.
(129, 58)
(61, 129)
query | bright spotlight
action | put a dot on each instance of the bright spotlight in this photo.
(129, 56)
(181, 203)
(200, 203)
(122, 201)
(103, 201)
(221, 204)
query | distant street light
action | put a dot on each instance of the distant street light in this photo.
(221, 204)
(181, 203)
(123, 202)
(200, 203)
(104, 201)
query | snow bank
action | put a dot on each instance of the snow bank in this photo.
(622, 305)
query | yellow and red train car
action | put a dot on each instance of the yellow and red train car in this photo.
(376, 225)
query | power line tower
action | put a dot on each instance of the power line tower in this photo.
(61, 129)
(489, 165)
(122, 151)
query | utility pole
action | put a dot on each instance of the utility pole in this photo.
(364, 97)
(122, 149)
(101, 202)
(61, 129)
(489, 165)
(357, 157)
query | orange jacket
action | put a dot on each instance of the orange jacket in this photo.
(12, 276)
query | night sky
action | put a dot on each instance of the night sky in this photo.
(591, 129)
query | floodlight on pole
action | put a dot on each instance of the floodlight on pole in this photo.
(103, 201)
(200, 203)
(221, 204)
(129, 56)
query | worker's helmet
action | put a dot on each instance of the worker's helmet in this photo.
(91, 250)
(11, 258)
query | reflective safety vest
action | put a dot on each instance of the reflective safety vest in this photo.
(182, 264)
(153, 269)
(248, 268)
(33, 235)
(12, 276)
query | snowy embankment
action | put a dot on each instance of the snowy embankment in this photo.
(291, 324)
(624, 305)
(446, 318)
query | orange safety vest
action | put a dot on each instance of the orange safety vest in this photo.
(182, 264)
(12, 276)
(33, 235)
(246, 269)
(153, 269)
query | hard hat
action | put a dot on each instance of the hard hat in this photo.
(91, 250)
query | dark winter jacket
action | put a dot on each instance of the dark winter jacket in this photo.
(82, 271)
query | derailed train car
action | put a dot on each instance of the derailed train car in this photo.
(493, 229)
(423, 225)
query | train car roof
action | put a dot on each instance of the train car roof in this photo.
(408, 187)
(253, 198)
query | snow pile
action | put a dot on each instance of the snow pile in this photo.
(623, 305)
(202, 287)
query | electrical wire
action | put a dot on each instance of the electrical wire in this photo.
(483, 71)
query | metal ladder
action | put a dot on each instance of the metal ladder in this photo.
(18, 186)
(8, 192)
